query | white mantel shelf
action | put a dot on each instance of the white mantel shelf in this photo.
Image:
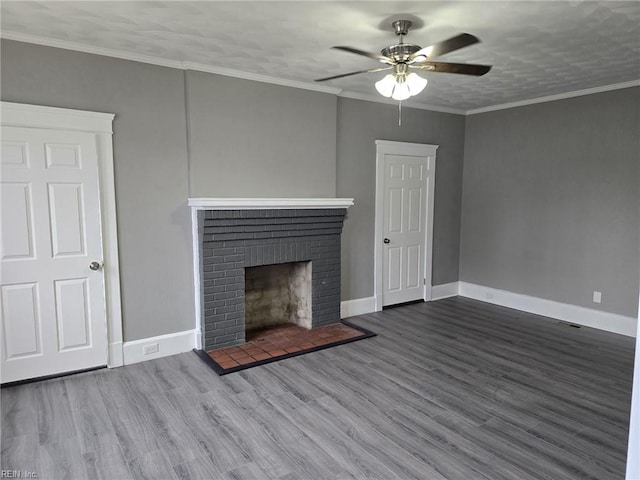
(267, 203)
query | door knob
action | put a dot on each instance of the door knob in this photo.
(386, 240)
(95, 266)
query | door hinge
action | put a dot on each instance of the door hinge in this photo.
(424, 281)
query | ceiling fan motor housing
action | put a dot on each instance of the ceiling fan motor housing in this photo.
(400, 52)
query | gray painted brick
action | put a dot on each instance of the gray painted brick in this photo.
(224, 296)
(229, 309)
(223, 266)
(234, 329)
(224, 324)
(236, 272)
(238, 239)
(224, 251)
(214, 304)
(234, 316)
(224, 338)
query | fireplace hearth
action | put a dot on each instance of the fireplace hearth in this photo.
(298, 252)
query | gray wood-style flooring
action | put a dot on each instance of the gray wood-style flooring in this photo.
(454, 389)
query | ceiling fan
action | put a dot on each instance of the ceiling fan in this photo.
(402, 58)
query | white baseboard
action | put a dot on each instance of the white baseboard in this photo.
(359, 306)
(610, 322)
(170, 344)
(445, 290)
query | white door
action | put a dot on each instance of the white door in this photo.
(52, 302)
(406, 180)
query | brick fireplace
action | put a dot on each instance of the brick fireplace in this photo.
(293, 239)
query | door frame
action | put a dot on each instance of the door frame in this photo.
(100, 124)
(384, 147)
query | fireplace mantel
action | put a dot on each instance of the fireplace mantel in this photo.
(267, 203)
(232, 234)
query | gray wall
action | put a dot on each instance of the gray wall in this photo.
(550, 189)
(246, 139)
(360, 124)
(150, 169)
(550, 200)
(250, 139)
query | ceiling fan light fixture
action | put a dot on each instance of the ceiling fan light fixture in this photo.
(400, 86)
(386, 86)
(415, 83)
(401, 91)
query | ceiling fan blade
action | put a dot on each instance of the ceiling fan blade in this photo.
(446, 46)
(353, 73)
(374, 56)
(461, 68)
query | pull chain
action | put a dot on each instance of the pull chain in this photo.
(400, 113)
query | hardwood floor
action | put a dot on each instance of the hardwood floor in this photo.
(454, 389)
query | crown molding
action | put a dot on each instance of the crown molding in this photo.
(559, 96)
(228, 72)
(81, 47)
(163, 62)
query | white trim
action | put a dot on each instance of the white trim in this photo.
(267, 203)
(359, 306)
(163, 62)
(194, 66)
(110, 249)
(197, 292)
(170, 344)
(402, 148)
(610, 322)
(405, 103)
(446, 290)
(82, 47)
(36, 116)
(228, 72)
(551, 98)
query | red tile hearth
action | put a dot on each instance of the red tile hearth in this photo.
(282, 341)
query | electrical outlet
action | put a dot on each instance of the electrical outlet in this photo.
(597, 296)
(151, 348)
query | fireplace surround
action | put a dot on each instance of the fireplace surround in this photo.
(233, 235)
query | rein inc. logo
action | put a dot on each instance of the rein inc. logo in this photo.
(17, 474)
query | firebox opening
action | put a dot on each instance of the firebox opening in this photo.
(277, 294)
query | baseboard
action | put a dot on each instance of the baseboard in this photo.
(610, 322)
(167, 345)
(359, 306)
(445, 290)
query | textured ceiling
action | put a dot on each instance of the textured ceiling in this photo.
(537, 48)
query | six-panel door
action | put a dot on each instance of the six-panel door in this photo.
(52, 304)
(405, 194)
